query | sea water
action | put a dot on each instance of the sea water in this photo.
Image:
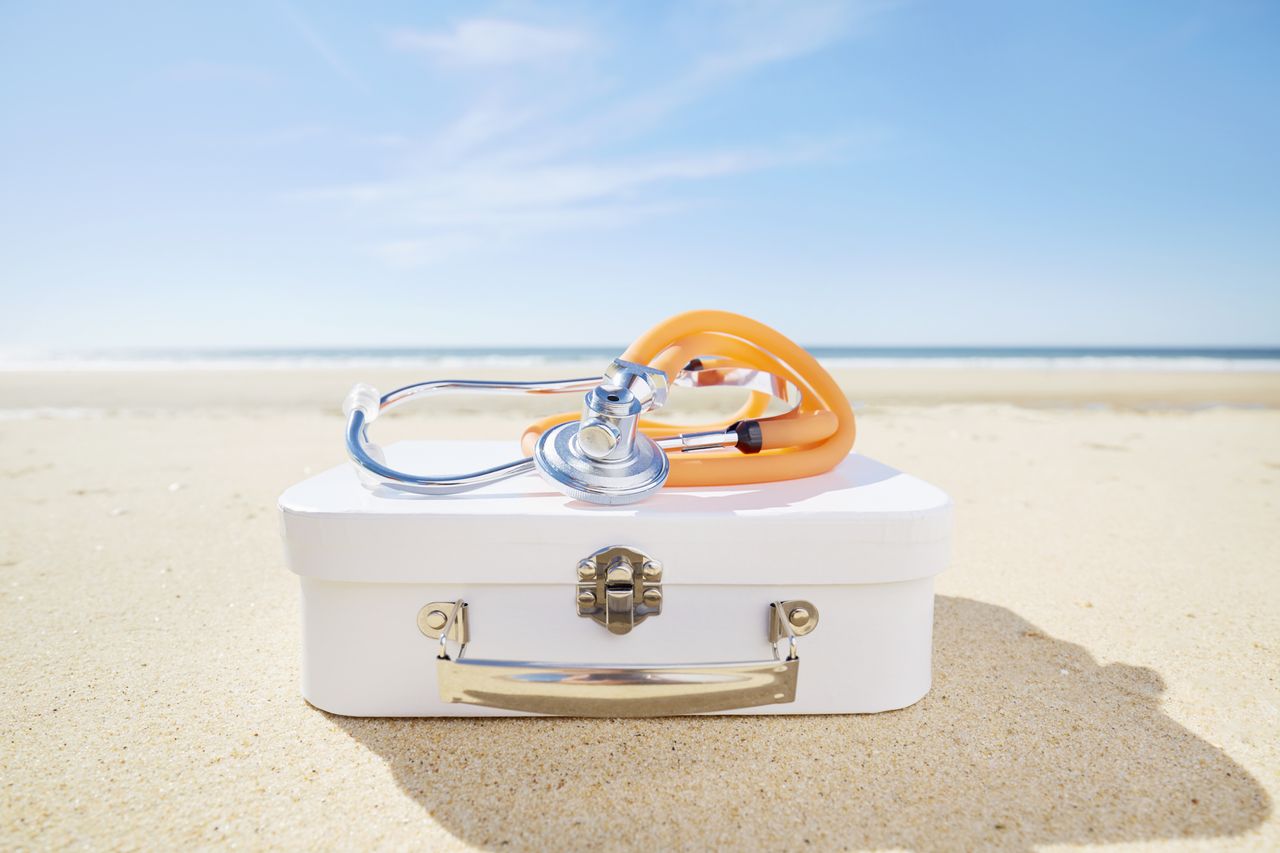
(445, 358)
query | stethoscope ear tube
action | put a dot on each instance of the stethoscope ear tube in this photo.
(363, 405)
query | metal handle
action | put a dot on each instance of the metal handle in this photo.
(620, 690)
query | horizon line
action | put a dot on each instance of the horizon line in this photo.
(595, 348)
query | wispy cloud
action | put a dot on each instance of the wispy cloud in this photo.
(745, 36)
(531, 154)
(321, 46)
(494, 226)
(493, 41)
(760, 33)
(222, 72)
(492, 192)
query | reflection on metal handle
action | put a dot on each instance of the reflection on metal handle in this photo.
(621, 690)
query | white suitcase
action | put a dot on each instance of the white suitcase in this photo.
(694, 601)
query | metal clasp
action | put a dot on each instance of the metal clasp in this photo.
(619, 587)
(445, 621)
(788, 620)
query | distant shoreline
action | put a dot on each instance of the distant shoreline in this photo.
(92, 393)
(1180, 359)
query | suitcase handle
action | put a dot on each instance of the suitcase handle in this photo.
(618, 690)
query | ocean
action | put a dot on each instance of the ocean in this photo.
(445, 358)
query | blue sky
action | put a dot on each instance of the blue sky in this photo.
(435, 174)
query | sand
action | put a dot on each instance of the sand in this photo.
(1107, 639)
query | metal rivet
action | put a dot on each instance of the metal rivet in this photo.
(435, 619)
(586, 598)
(799, 617)
(652, 571)
(586, 570)
(652, 596)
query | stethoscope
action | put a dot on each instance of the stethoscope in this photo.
(610, 453)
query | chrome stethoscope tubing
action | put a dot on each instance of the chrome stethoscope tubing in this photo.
(375, 471)
(363, 405)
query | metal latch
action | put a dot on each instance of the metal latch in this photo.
(619, 587)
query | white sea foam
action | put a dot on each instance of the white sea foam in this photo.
(259, 363)
(61, 413)
(1101, 363)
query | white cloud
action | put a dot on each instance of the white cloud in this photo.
(533, 153)
(320, 46)
(462, 232)
(512, 196)
(493, 41)
(767, 31)
(740, 37)
(481, 125)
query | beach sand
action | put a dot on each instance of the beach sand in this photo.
(1107, 637)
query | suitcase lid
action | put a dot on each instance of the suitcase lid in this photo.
(862, 522)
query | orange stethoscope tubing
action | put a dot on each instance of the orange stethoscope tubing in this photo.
(811, 439)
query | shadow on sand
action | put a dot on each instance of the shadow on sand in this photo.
(1024, 740)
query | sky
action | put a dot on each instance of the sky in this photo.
(288, 174)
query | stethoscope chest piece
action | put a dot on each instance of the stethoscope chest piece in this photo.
(560, 460)
(602, 458)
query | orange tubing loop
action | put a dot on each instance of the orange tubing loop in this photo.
(810, 440)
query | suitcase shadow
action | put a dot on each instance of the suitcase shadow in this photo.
(1025, 740)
